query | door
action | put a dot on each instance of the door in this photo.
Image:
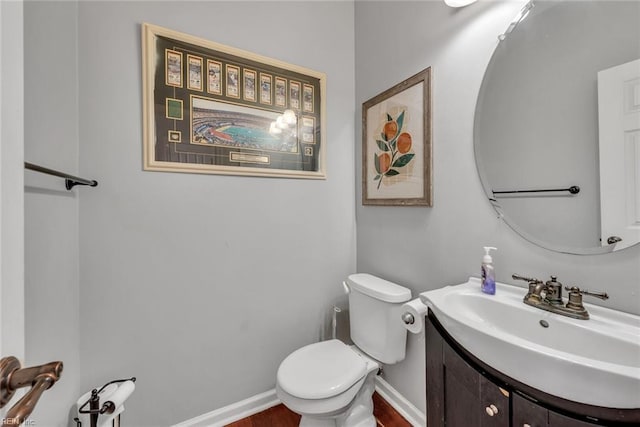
(619, 142)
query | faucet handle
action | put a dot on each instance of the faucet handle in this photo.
(533, 292)
(537, 290)
(575, 299)
(526, 279)
(575, 289)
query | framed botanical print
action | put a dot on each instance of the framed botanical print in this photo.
(397, 146)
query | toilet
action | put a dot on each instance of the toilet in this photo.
(330, 383)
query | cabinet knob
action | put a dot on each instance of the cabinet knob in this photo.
(491, 410)
(526, 425)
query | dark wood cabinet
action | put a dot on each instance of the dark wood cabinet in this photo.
(558, 420)
(525, 413)
(464, 392)
(472, 400)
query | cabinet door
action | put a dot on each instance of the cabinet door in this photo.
(462, 392)
(494, 402)
(557, 420)
(435, 376)
(526, 413)
(471, 399)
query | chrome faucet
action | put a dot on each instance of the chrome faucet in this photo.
(548, 296)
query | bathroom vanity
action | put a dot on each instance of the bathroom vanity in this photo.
(528, 357)
(462, 391)
(493, 360)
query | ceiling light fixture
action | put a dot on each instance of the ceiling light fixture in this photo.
(524, 12)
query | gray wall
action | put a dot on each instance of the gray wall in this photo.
(442, 245)
(51, 212)
(199, 285)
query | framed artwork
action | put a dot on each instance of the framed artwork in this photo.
(210, 108)
(397, 146)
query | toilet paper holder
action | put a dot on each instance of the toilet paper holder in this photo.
(408, 318)
(94, 403)
(413, 313)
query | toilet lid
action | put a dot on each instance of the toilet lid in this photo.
(321, 370)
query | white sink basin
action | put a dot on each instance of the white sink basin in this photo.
(595, 361)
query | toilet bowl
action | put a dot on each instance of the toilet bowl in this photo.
(328, 383)
(331, 384)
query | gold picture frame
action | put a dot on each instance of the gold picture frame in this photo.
(397, 145)
(210, 108)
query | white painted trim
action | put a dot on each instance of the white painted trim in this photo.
(235, 411)
(400, 403)
(260, 402)
(12, 311)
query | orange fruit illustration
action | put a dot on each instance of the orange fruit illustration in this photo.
(385, 162)
(390, 129)
(404, 143)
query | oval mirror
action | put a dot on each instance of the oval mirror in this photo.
(557, 125)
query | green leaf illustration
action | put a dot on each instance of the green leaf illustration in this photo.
(389, 118)
(384, 137)
(376, 162)
(403, 160)
(377, 177)
(392, 172)
(382, 145)
(400, 122)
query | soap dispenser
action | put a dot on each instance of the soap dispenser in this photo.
(488, 274)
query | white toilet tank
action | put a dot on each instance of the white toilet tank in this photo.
(375, 317)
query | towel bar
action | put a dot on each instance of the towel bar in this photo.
(70, 181)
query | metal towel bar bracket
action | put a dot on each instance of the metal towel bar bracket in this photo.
(70, 181)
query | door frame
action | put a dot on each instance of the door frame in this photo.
(12, 307)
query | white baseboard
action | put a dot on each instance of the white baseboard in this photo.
(235, 411)
(260, 402)
(400, 403)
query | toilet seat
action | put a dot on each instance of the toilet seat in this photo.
(321, 370)
(326, 408)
